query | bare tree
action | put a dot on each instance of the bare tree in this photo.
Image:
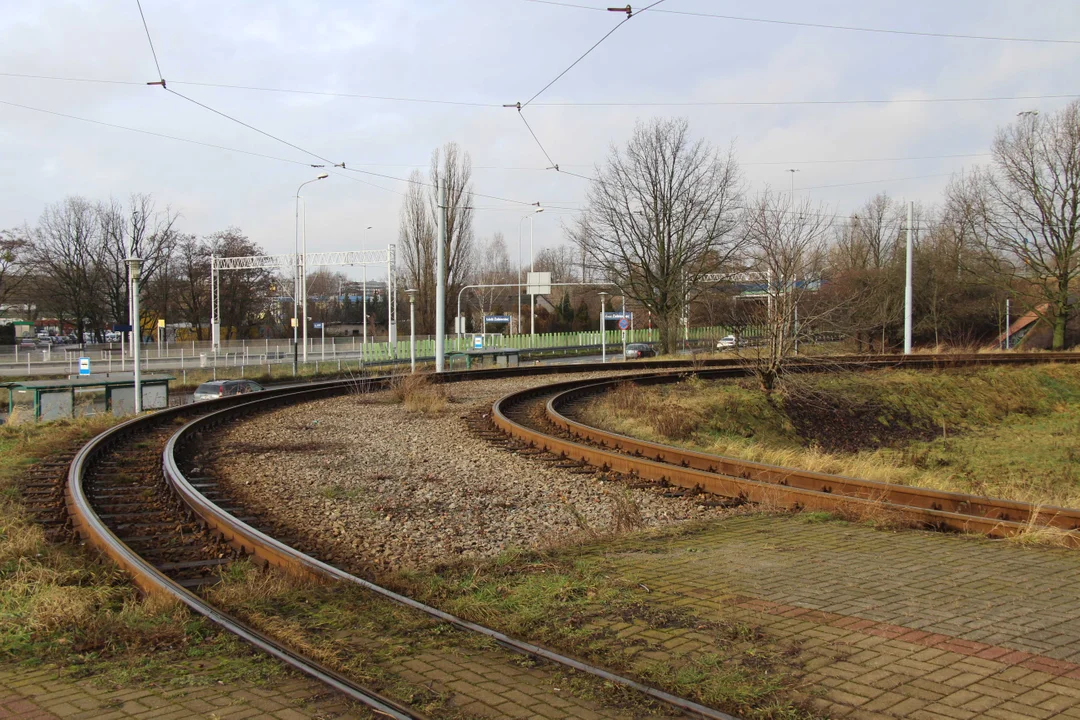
(1024, 212)
(416, 236)
(492, 267)
(660, 215)
(69, 253)
(786, 244)
(192, 268)
(455, 169)
(561, 261)
(140, 230)
(244, 293)
(14, 248)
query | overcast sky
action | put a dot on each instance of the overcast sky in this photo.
(495, 52)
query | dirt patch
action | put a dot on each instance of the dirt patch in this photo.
(835, 424)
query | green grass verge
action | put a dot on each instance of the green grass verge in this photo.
(62, 606)
(1005, 431)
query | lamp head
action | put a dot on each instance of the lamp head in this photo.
(134, 267)
(412, 294)
(322, 176)
(540, 210)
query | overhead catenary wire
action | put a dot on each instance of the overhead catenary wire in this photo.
(574, 103)
(161, 76)
(829, 26)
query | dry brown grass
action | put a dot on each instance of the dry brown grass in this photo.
(418, 394)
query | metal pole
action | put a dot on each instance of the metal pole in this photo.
(907, 283)
(323, 339)
(303, 281)
(519, 276)
(1008, 324)
(603, 338)
(440, 284)
(296, 270)
(136, 333)
(412, 333)
(365, 304)
(532, 270)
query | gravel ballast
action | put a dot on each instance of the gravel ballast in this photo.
(369, 483)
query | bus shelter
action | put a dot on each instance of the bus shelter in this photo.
(54, 399)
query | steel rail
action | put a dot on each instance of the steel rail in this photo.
(267, 549)
(150, 580)
(788, 487)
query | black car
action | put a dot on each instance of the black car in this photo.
(638, 350)
(224, 388)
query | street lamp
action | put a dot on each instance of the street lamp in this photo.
(302, 264)
(365, 287)
(603, 338)
(134, 269)
(528, 217)
(412, 328)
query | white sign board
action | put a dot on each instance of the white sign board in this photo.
(478, 342)
(539, 283)
(84, 366)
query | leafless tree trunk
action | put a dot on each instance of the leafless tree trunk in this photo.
(456, 169)
(69, 252)
(660, 215)
(14, 249)
(786, 245)
(416, 236)
(138, 231)
(1024, 212)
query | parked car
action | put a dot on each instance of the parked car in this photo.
(27, 344)
(638, 350)
(727, 342)
(224, 388)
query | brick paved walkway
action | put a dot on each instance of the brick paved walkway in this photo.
(43, 694)
(905, 624)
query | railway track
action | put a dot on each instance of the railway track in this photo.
(127, 495)
(543, 419)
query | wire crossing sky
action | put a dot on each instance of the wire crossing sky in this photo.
(860, 98)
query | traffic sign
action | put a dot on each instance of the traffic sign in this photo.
(623, 323)
(120, 327)
(617, 314)
(84, 366)
(497, 318)
(161, 322)
(318, 326)
(478, 342)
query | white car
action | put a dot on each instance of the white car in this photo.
(727, 342)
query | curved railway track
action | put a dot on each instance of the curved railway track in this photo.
(127, 496)
(542, 418)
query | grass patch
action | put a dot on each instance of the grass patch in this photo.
(418, 394)
(346, 628)
(1007, 432)
(575, 600)
(60, 605)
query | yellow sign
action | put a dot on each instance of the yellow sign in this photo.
(161, 322)
(294, 322)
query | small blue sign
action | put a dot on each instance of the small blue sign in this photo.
(121, 328)
(497, 318)
(617, 315)
(318, 326)
(84, 366)
(624, 324)
(478, 342)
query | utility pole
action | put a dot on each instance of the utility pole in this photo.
(793, 171)
(1008, 324)
(907, 282)
(440, 285)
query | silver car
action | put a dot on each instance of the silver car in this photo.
(727, 342)
(224, 388)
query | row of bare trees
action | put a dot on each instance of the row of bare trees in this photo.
(669, 222)
(71, 267)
